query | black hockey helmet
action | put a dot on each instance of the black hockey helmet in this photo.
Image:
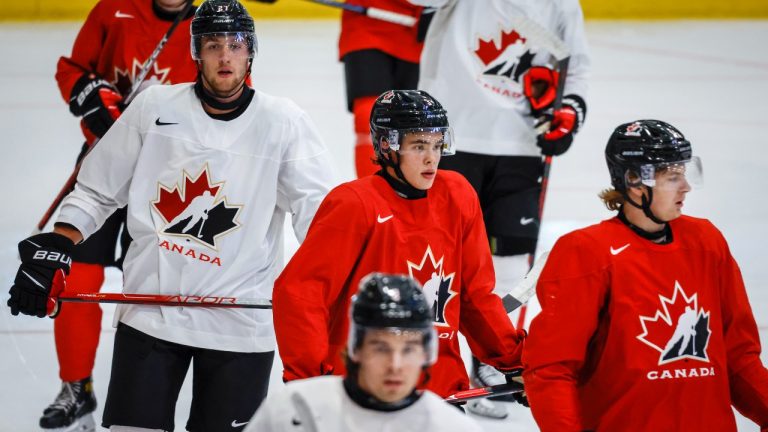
(636, 150)
(223, 17)
(392, 302)
(397, 112)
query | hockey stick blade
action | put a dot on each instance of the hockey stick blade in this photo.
(526, 289)
(373, 12)
(167, 300)
(484, 392)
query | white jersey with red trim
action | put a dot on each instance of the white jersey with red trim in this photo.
(322, 404)
(206, 203)
(474, 60)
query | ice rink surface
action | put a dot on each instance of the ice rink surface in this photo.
(708, 78)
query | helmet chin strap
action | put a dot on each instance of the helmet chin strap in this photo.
(645, 205)
(401, 186)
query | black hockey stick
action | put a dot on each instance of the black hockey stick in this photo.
(138, 80)
(163, 300)
(485, 392)
(373, 12)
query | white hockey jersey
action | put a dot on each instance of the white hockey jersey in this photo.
(321, 404)
(206, 204)
(474, 59)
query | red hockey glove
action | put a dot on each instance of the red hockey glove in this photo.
(540, 88)
(97, 101)
(566, 121)
(45, 259)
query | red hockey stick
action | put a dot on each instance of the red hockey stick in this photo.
(70, 184)
(166, 300)
(484, 392)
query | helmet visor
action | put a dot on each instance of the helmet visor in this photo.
(213, 45)
(673, 175)
(424, 353)
(439, 140)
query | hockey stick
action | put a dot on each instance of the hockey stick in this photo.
(484, 392)
(166, 300)
(373, 12)
(523, 291)
(70, 183)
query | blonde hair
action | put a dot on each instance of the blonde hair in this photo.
(612, 199)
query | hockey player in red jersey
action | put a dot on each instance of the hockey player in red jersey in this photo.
(409, 218)
(112, 46)
(377, 56)
(234, 160)
(391, 346)
(645, 321)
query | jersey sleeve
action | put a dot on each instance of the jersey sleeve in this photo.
(105, 176)
(748, 376)
(85, 52)
(571, 29)
(572, 290)
(312, 282)
(306, 174)
(484, 321)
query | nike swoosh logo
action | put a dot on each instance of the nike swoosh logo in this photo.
(619, 250)
(235, 424)
(384, 219)
(159, 123)
(119, 14)
(525, 220)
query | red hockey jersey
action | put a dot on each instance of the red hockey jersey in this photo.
(116, 39)
(362, 227)
(637, 336)
(359, 32)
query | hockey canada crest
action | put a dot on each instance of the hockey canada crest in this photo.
(196, 209)
(124, 78)
(678, 330)
(504, 58)
(435, 284)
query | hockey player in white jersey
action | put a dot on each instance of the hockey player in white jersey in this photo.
(392, 343)
(252, 157)
(477, 59)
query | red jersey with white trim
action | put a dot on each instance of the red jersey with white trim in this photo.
(359, 32)
(364, 226)
(635, 335)
(116, 40)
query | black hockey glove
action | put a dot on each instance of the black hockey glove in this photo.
(97, 101)
(515, 375)
(45, 259)
(564, 123)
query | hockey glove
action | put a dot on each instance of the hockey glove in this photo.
(540, 88)
(566, 121)
(97, 101)
(45, 259)
(516, 375)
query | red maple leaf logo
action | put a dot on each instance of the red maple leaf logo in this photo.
(663, 330)
(171, 202)
(436, 285)
(487, 51)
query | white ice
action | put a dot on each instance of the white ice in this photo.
(708, 78)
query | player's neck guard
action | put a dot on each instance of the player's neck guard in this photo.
(402, 188)
(368, 401)
(238, 105)
(662, 237)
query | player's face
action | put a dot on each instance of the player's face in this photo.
(390, 363)
(669, 193)
(224, 64)
(419, 155)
